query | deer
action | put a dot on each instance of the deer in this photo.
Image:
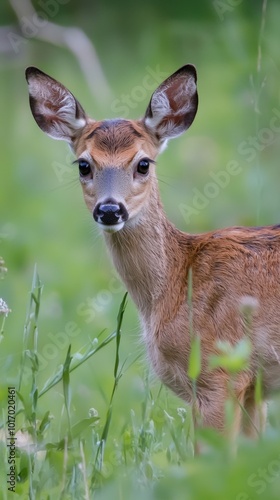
(116, 159)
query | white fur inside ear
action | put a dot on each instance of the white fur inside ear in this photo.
(186, 89)
(162, 109)
(163, 146)
(56, 103)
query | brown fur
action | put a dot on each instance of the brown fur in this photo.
(229, 267)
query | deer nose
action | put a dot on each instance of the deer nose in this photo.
(110, 213)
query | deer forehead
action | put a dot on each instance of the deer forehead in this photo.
(116, 142)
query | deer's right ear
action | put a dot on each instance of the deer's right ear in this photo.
(54, 108)
(173, 105)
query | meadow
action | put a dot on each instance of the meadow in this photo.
(92, 420)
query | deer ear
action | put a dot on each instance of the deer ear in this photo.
(173, 105)
(54, 108)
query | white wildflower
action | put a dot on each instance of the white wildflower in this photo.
(93, 412)
(4, 308)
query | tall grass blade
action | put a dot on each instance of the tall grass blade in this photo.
(30, 333)
(194, 367)
(117, 375)
(66, 385)
(55, 379)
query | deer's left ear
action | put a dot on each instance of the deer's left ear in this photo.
(173, 105)
(54, 108)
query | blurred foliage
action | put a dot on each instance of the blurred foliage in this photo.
(42, 215)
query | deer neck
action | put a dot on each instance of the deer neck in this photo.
(149, 256)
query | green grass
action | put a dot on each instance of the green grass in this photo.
(151, 455)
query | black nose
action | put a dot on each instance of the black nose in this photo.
(110, 212)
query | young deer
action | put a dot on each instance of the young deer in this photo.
(116, 160)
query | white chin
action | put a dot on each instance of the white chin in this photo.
(111, 229)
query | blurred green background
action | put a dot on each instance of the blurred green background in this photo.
(43, 219)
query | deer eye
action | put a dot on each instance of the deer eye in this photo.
(143, 167)
(84, 168)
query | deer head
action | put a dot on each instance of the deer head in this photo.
(116, 158)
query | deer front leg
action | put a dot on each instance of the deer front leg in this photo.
(254, 418)
(210, 409)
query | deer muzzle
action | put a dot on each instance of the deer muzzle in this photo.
(110, 215)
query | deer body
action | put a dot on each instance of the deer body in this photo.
(160, 294)
(117, 171)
